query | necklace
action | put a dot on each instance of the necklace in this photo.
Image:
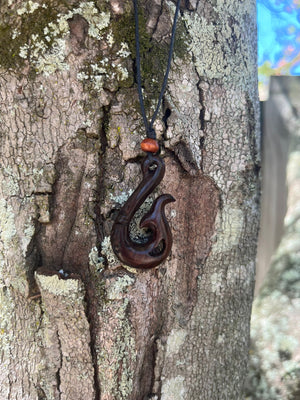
(159, 243)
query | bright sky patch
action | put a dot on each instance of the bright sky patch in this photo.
(278, 39)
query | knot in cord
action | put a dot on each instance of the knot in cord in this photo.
(151, 133)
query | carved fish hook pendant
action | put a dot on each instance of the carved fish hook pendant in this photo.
(157, 248)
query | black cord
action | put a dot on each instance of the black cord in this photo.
(149, 125)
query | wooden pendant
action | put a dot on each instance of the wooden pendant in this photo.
(157, 248)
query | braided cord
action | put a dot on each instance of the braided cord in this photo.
(149, 125)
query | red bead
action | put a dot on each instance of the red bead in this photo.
(150, 145)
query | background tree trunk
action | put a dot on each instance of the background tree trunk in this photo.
(75, 324)
(274, 372)
(276, 144)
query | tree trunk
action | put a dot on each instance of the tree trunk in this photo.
(75, 323)
(276, 143)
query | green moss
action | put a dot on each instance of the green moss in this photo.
(8, 48)
(18, 28)
(182, 41)
(109, 71)
(266, 69)
(36, 33)
(154, 55)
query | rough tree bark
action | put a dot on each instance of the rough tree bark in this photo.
(75, 324)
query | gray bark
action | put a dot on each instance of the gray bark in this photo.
(75, 324)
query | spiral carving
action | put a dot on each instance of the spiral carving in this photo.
(158, 246)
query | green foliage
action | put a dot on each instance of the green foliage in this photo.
(266, 69)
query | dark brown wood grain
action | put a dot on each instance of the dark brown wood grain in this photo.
(158, 246)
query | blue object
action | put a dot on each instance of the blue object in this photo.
(278, 37)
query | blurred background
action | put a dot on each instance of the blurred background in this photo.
(274, 369)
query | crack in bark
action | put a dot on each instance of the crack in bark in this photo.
(155, 392)
(185, 158)
(91, 315)
(58, 377)
(202, 120)
(40, 393)
(158, 17)
(33, 259)
(167, 114)
(100, 190)
(91, 292)
(74, 217)
(9, 385)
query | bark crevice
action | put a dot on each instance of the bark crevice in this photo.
(59, 367)
(91, 311)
